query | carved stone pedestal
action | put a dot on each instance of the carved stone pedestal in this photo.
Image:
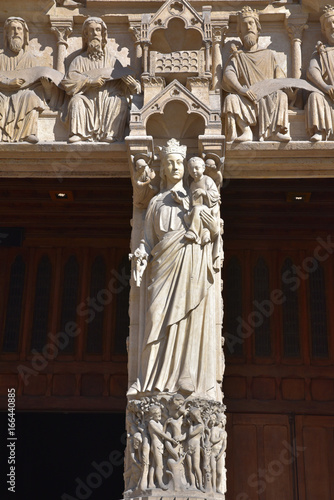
(176, 448)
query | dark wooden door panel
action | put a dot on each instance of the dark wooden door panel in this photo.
(315, 439)
(260, 460)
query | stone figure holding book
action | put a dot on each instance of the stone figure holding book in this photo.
(99, 88)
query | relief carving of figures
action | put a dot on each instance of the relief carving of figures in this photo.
(185, 446)
(26, 88)
(320, 105)
(179, 352)
(246, 66)
(99, 88)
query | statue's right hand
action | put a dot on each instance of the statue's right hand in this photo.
(97, 82)
(248, 93)
(330, 92)
(16, 83)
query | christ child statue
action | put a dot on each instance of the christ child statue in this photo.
(204, 198)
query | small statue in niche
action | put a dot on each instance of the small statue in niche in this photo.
(143, 173)
(24, 92)
(158, 436)
(218, 438)
(133, 475)
(173, 425)
(142, 177)
(320, 108)
(246, 66)
(195, 436)
(204, 197)
(99, 88)
(174, 428)
(214, 170)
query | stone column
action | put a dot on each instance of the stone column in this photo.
(62, 28)
(135, 29)
(295, 25)
(218, 37)
(176, 438)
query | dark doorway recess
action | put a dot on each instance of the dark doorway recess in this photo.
(65, 456)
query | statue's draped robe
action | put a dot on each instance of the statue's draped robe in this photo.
(95, 112)
(319, 110)
(19, 108)
(271, 112)
(180, 345)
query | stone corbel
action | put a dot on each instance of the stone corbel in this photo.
(218, 38)
(62, 28)
(213, 147)
(135, 29)
(295, 26)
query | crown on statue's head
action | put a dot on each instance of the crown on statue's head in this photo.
(328, 12)
(173, 147)
(248, 12)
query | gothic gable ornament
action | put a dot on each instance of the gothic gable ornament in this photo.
(179, 8)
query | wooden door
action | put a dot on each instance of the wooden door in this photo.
(260, 458)
(315, 440)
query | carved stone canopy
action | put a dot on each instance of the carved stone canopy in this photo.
(180, 9)
(175, 94)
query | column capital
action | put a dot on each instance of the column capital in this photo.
(219, 32)
(135, 30)
(295, 26)
(62, 28)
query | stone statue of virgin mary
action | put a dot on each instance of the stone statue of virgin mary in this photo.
(181, 349)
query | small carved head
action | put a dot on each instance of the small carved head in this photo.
(141, 165)
(195, 414)
(210, 164)
(155, 413)
(16, 34)
(177, 401)
(94, 28)
(221, 417)
(196, 167)
(137, 440)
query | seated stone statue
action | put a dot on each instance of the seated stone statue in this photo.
(23, 92)
(247, 66)
(99, 105)
(320, 108)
